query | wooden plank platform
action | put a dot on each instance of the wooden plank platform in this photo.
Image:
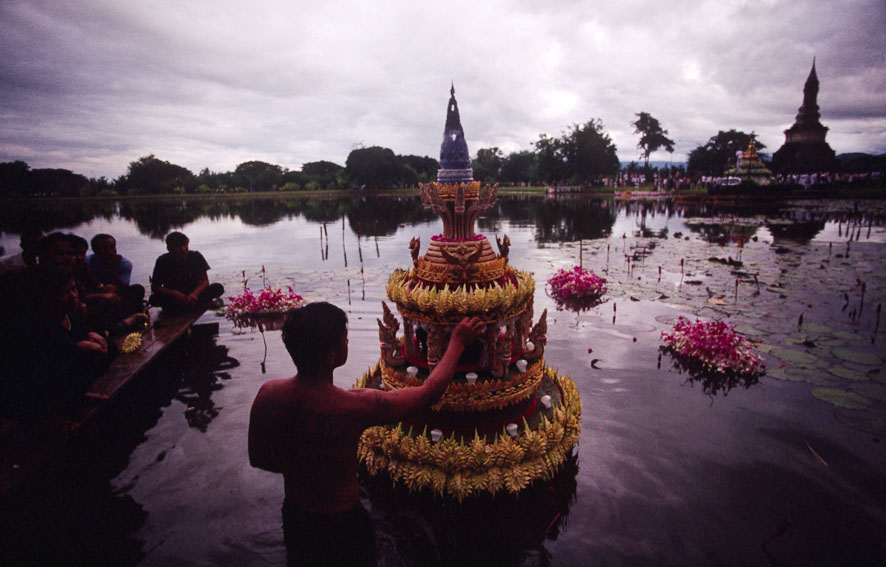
(26, 446)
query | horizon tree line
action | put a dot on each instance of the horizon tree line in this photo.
(584, 154)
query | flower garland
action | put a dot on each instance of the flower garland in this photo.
(576, 285)
(714, 345)
(247, 305)
(460, 468)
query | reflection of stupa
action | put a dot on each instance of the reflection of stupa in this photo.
(748, 166)
(805, 149)
(507, 419)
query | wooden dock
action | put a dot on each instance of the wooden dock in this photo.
(25, 446)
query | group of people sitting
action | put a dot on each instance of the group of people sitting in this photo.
(61, 308)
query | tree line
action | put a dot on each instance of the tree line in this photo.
(584, 154)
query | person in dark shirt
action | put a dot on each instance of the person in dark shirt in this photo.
(180, 281)
(53, 356)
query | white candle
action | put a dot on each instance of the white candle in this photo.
(412, 371)
(546, 401)
(521, 365)
(436, 434)
(512, 429)
(530, 346)
(471, 377)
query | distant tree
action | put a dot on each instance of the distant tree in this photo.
(259, 176)
(550, 158)
(581, 155)
(652, 136)
(323, 175)
(58, 182)
(487, 165)
(150, 175)
(520, 167)
(374, 167)
(589, 152)
(15, 179)
(718, 154)
(425, 167)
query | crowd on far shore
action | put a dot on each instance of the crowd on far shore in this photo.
(62, 308)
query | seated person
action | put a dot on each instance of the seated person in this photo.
(53, 356)
(30, 238)
(112, 269)
(180, 282)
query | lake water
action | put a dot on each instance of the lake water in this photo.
(670, 468)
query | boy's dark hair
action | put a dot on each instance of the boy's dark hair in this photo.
(50, 240)
(78, 242)
(311, 332)
(176, 238)
(99, 237)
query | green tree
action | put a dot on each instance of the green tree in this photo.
(652, 136)
(551, 165)
(718, 154)
(150, 175)
(15, 179)
(259, 175)
(374, 167)
(520, 167)
(322, 175)
(589, 152)
(582, 154)
(425, 167)
(487, 165)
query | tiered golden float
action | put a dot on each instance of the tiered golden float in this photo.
(507, 419)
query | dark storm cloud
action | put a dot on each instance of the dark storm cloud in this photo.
(92, 86)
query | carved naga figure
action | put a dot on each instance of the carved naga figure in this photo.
(504, 246)
(503, 351)
(414, 248)
(387, 336)
(538, 337)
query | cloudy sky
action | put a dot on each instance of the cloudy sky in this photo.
(93, 85)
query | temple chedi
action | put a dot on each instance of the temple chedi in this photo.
(748, 166)
(507, 419)
(805, 149)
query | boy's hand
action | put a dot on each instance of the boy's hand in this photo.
(467, 330)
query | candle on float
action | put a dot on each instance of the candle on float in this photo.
(471, 377)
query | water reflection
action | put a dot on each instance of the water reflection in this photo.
(505, 530)
(712, 384)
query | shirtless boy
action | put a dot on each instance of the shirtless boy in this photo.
(308, 429)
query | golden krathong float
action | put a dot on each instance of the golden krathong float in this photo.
(507, 419)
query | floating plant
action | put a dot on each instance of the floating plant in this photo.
(269, 306)
(713, 347)
(577, 288)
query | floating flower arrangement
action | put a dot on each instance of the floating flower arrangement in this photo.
(712, 347)
(576, 288)
(268, 307)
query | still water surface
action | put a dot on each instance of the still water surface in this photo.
(670, 468)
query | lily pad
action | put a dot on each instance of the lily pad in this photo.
(841, 398)
(871, 391)
(847, 373)
(814, 377)
(857, 356)
(796, 357)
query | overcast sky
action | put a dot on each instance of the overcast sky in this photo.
(93, 85)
